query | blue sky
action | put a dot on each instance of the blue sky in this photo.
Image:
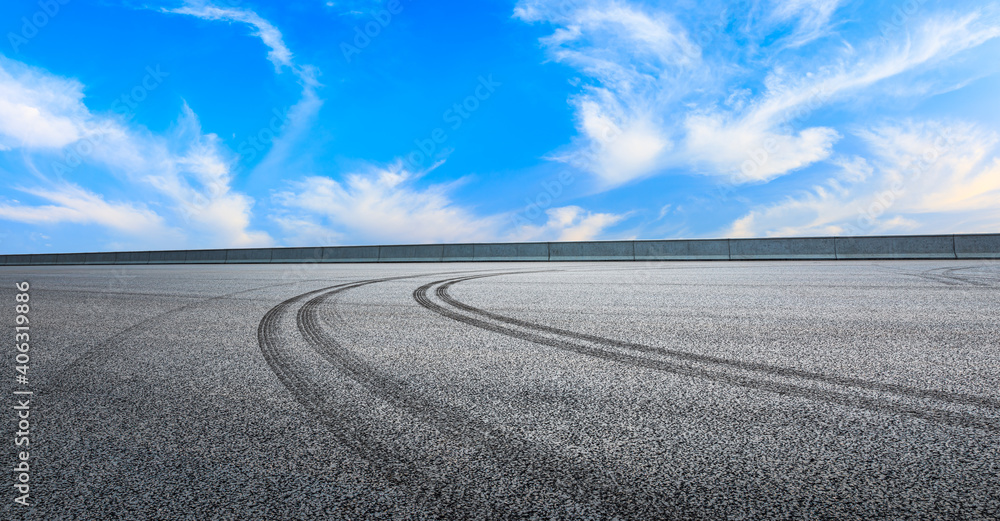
(234, 123)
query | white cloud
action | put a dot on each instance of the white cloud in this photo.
(386, 206)
(758, 145)
(38, 110)
(568, 223)
(754, 151)
(73, 204)
(383, 205)
(278, 53)
(812, 18)
(299, 117)
(634, 57)
(657, 101)
(186, 169)
(924, 177)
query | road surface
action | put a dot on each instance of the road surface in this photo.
(687, 390)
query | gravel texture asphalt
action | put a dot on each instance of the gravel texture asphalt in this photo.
(685, 390)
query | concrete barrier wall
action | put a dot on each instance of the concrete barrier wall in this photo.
(351, 254)
(977, 246)
(781, 248)
(71, 258)
(591, 251)
(415, 253)
(297, 255)
(205, 256)
(99, 258)
(710, 249)
(262, 255)
(132, 257)
(525, 251)
(167, 257)
(44, 259)
(981, 246)
(459, 253)
(911, 247)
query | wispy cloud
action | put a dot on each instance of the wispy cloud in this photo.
(639, 62)
(811, 18)
(278, 52)
(656, 101)
(300, 116)
(386, 205)
(928, 176)
(38, 110)
(568, 223)
(185, 169)
(73, 204)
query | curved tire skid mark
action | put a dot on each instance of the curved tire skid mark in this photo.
(386, 388)
(530, 460)
(948, 276)
(936, 275)
(975, 279)
(913, 392)
(91, 356)
(444, 419)
(962, 420)
(313, 398)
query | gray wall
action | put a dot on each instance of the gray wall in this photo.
(984, 246)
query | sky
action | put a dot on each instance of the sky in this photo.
(133, 125)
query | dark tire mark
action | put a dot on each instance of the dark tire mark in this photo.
(92, 355)
(535, 466)
(311, 396)
(515, 455)
(386, 388)
(948, 277)
(962, 420)
(967, 278)
(945, 396)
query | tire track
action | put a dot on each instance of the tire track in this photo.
(947, 417)
(311, 396)
(92, 355)
(948, 276)
(971, 278)
(389, 389)
(945, 396)
(945, 276)
(385, 387)
(533, 465)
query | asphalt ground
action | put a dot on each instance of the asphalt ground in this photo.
(637, 390)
